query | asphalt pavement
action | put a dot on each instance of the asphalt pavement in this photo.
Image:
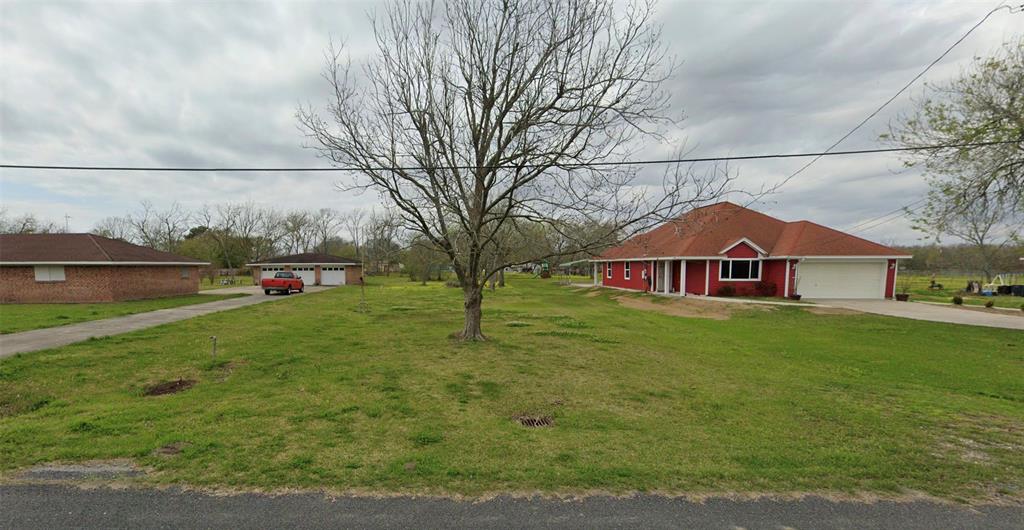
(28, 506)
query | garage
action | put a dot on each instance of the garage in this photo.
(331, 269)
(842, 279)
(332, 275)
(308, 274)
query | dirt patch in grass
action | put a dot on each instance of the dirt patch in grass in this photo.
(170, 449)
(169, 387)
(684, 307)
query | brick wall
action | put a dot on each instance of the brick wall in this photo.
(96, 284)
(352, 274)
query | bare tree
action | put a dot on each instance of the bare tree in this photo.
(485, 116)
(115, 227)
(26, 224)
(222, 222)
(325, 224)
(354, 223)
(382, 233)
(298, 231)
(160, 229)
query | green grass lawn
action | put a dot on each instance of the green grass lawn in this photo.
(310, 393)
(23, 317)
(953, 286)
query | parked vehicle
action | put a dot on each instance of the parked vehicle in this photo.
(283, 282)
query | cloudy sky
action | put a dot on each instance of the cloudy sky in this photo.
(194, 83)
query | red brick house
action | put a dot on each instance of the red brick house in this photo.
(725, 248)
(314, 268)
(59, 268)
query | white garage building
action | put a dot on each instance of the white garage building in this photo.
(314, 268)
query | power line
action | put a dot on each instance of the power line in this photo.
(900, 91)
(505, 166)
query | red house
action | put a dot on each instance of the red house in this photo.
(725, 249)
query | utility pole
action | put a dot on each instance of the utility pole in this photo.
(67, 223)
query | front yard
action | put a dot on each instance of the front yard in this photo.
(311, 393)
(25, 317)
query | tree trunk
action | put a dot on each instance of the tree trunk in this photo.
(501, 277)
(473, 303)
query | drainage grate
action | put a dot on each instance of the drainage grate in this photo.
(535, 421)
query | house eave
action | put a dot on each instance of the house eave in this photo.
(104, 263)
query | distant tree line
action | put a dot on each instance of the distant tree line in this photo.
(964, 259)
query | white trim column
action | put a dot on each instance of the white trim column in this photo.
(595, 271)
(682, 277)
(707, 277)
(668, 276)
(785, 290)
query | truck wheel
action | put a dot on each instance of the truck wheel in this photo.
(288, 291)
(302, 289)
(266, 291)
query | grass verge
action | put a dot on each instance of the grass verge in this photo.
(311, 393)
(25, 317)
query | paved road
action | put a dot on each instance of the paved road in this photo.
(934, 313)
(41, 339)
(57, 506)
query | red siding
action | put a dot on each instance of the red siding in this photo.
(695, 276)
(890, 279)
(618, 278)
(742, 250)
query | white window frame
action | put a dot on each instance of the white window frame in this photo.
(722, 264)
(626, 274)
(49, 273)
(608, 269)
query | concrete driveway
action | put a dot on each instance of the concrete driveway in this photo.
(42, 339)
(935, 313)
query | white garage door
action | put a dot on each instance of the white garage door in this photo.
(843, 279)
(332, 275)
(308, 274)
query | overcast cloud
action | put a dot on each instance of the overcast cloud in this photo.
(217, 84)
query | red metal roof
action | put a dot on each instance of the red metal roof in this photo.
(78, 248)
(705, 232)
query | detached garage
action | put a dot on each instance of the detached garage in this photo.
(313, 268)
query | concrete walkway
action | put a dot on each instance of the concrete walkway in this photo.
(42, 339)
(934, 313)
(56, 506)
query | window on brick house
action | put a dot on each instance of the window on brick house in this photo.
(186, 273)
(49, 273)
(628, 272)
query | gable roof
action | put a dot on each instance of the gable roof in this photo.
(81, 248)
(308, 257)
(704, 232)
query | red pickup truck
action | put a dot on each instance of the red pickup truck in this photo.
(282, 282)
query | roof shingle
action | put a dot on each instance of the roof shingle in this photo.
(79, 248)
(705, 232)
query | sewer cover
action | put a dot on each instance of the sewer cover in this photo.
(535, 421)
